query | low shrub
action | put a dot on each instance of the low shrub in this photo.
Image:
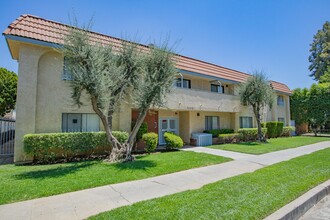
(216, 132)
(142, 130)
(287, 131)
(274, 128)
(279, 129)
(172, 140)
(48, 147)
(250, 134)
(230, 138)
(151, 140)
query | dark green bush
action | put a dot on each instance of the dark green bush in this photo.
(151, 140)
(48, 147)
(287, 131)
(229, 138)
(216, 132)
(142, 130)
(279, 129)
(250, 134)
(172, 140)
(271, 129)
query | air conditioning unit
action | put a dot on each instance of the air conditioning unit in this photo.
(202, 139)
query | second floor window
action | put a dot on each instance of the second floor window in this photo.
(66, 75)
(217, 88)
(280, 100)
(186, 83)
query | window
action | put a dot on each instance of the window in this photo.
(66, 75)
(281, 120)
(186, 83)
(74, 122)
(212, 122)
(280, 100)
(217, 88)
(245, 122)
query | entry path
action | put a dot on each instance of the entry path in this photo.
(85, 203)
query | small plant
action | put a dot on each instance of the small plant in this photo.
(251, 134)
(151, 140)
(172, 140)
(230, 138)
(287, 131)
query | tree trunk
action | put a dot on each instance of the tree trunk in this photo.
(261, 137)
(132, 137)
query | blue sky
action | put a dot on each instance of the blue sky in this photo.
(273, 36)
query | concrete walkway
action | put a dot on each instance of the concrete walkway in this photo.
(85, 203)
(321, 211)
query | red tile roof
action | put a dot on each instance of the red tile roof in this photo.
(37, 28)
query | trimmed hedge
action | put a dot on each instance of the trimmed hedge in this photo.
(250, 134)
(229, 138)
(216, 132)
(48, 147)
(287, 131)
(274, 128)
(151, 140)
(172, 140)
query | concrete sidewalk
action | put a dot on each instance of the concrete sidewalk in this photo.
(85, 203)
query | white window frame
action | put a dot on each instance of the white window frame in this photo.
(211, 126)
(280, 100)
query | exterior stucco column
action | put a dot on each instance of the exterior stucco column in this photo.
(287, 111)
(26, 97)
(274, 110)
(236, 121)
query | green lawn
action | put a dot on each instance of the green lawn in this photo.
(19, 183)
(274, 144)
(248, 196)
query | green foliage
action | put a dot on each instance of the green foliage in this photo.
(216, 132)
(287, 131)
(229, 138)
(257, 93)
(151, 140)
(142, 130)
(318, 107)
(274, 128)
(326, 77)
(172, 140)
(320, 53)
(48, 147)
(8, 88)
(250, 134)
(142, 75)
(298, 105)
(279, 129)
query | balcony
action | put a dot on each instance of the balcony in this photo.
(199, 100)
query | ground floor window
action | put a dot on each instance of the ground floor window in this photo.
(245, 122)
(281, 120)
(212, 122)
(77, 122)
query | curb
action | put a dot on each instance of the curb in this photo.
(295, 209)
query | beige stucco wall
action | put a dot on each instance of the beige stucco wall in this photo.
(43, 96)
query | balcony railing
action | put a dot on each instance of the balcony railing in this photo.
(199, 100)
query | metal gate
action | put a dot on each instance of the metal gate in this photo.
(7, 136)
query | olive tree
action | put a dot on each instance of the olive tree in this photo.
(114, 74)
(257, 93)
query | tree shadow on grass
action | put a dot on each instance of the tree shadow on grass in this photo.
(136, 165)
(53, 172)
(251, 143)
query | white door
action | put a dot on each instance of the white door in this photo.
(167, 125)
